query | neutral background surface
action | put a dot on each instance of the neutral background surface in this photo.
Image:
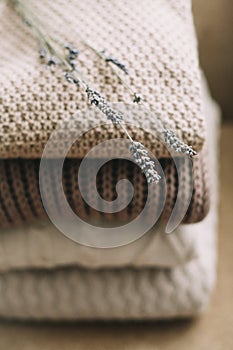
(214, 25)
(214, 330)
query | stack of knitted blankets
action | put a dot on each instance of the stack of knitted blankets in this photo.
(45, 275)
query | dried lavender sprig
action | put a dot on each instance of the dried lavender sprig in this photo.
(118, 64)
(101, 54)
(178, 145)
(74, 76)
(138, 151)
(175, 143)
(141, 158)
(48, 45)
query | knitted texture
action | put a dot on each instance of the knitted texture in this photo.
(31, 246)
(20, 199)
(154, 39)
(107, 294)
(155, 248)
(125, 293)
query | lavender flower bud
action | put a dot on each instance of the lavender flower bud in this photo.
(175, 143)
(27, 22)
(99, 101)
(141, 158)
(69, 78)
(72, 63)
(118, 64)
(137, 98)
(51, 62)
(42, 53)
(73, 53)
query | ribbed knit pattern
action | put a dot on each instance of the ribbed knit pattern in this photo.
(20, 198)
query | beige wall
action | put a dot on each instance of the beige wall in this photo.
(214, 23)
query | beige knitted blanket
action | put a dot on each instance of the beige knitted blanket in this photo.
(155, 40)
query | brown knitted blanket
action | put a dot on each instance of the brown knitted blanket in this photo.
(20, 199)
(156, 41)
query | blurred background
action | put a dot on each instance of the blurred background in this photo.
(214, 25)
